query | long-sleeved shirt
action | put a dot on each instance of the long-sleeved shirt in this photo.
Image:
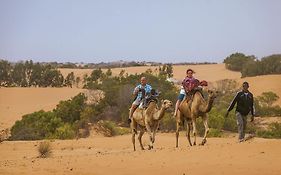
(245, 103)
(190, 83)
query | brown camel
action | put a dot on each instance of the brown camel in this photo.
(189, 112)
(148, 119)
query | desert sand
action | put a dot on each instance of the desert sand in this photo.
(114, 155)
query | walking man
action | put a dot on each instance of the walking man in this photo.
(245, 104)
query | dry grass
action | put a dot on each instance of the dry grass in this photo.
(45, 149)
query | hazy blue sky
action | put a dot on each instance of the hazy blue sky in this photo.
(142, 30)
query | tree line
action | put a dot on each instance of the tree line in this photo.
(27, 74)
(249, 65)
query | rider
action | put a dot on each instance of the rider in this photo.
(140, 92)
(188, 84)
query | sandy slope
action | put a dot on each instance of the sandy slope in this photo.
(15, 102)
(102, 156)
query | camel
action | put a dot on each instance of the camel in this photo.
(190, 112)
(148, 119)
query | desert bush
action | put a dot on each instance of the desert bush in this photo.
(168, 123)
(69, 111)
(113, 129)
(215, 133)
(216, 120)
(63, 123)
(65, 131)
(274, 131)
(45, 149)
(38, 125)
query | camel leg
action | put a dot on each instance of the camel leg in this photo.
(194, 129)
(133, 140)
(177, 133)
(205, 121)
(188, 126)
(133, 130)
(140, 136)
(148, 129)
(155, 127)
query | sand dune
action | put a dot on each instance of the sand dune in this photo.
(15, 102)
(100, 156)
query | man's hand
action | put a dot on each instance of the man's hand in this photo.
(226, 115)
(136, 91)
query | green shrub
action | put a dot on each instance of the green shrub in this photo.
(230, 123)
(69, 111)
(274, 131)
(65, 132)
(214, 133)
(113, 129)
(168, 123)
(216, 120)
(38, 125)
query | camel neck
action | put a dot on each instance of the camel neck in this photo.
(161, 113)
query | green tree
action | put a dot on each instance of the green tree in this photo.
(36, 76)
(19, 75)
(169, 70)
(108, 73)
(5, 73)
(96, 75)
(77, 80)
(236, 61)
(69, 80)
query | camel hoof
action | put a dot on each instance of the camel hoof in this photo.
(150, 147)
(203, 142)
(194, 143)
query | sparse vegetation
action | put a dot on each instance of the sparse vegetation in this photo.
(45, 149)
(111, 129)
(274, 131)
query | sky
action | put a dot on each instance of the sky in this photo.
(167, 31)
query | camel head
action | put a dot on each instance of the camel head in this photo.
(213, 94)
(166, 104)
